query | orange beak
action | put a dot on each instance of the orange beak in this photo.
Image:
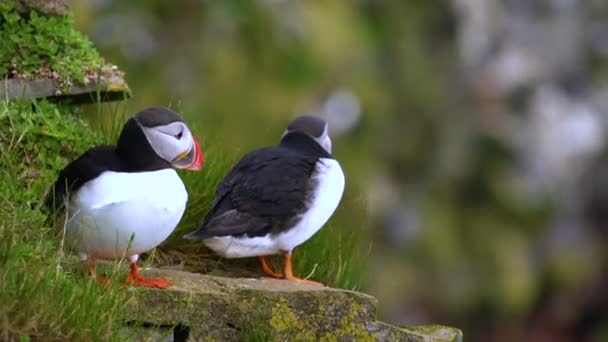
(192, 159)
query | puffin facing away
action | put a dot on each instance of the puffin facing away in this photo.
(276, 198)
(126, 199)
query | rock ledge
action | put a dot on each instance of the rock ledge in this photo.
(210, 308)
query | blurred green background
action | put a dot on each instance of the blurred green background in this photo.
(472, 135)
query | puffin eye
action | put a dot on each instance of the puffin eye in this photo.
(179, 135)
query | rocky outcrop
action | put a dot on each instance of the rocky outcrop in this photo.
(68, 67)
(210, 308)
(47, 7)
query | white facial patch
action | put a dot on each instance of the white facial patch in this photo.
(324, 140)
(169, 141)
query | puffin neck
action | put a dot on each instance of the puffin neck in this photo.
(135, 151)
(301, 142)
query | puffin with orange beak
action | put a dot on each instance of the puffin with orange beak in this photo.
(124, 200)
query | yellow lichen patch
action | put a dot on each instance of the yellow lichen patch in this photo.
(287, 323)
(284, 318)
(348, 327)
(293, 325)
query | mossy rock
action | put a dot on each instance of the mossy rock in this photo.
(237, 309)
(54, 60)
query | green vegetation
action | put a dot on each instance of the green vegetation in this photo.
(44, 46)
(39, 294)
(333, 256)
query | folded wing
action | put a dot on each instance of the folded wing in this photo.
(260, 195)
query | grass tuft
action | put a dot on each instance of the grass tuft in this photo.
(41, 296)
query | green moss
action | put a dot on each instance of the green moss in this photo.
(45, 46)
(37, 140)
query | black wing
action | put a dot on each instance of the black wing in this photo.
(86, 167)
(260, 195)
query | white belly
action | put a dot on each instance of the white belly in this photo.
(123, 214)
(325, 201)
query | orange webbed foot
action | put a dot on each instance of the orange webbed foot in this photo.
(137, 279)
(289, 273)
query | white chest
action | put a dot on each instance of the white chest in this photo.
(330, 178)
(120, 214)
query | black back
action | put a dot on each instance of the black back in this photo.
(88, 166)
(265, 191)
(133, 153)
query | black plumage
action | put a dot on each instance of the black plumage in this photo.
(266, 190)
(88, 166)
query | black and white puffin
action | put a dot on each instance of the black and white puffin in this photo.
(126, 199)
(275, 198)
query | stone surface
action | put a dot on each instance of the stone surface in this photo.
(229, 309)
(48, 7)
(111, 87)
(423, 333)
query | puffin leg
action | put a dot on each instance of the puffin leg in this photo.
(91, 266)
(267, 270)
(289, 272)
(137, 279)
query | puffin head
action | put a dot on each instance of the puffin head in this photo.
(313, 126)
(166, 134)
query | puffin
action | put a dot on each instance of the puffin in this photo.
(124, 200)
(275, 198)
